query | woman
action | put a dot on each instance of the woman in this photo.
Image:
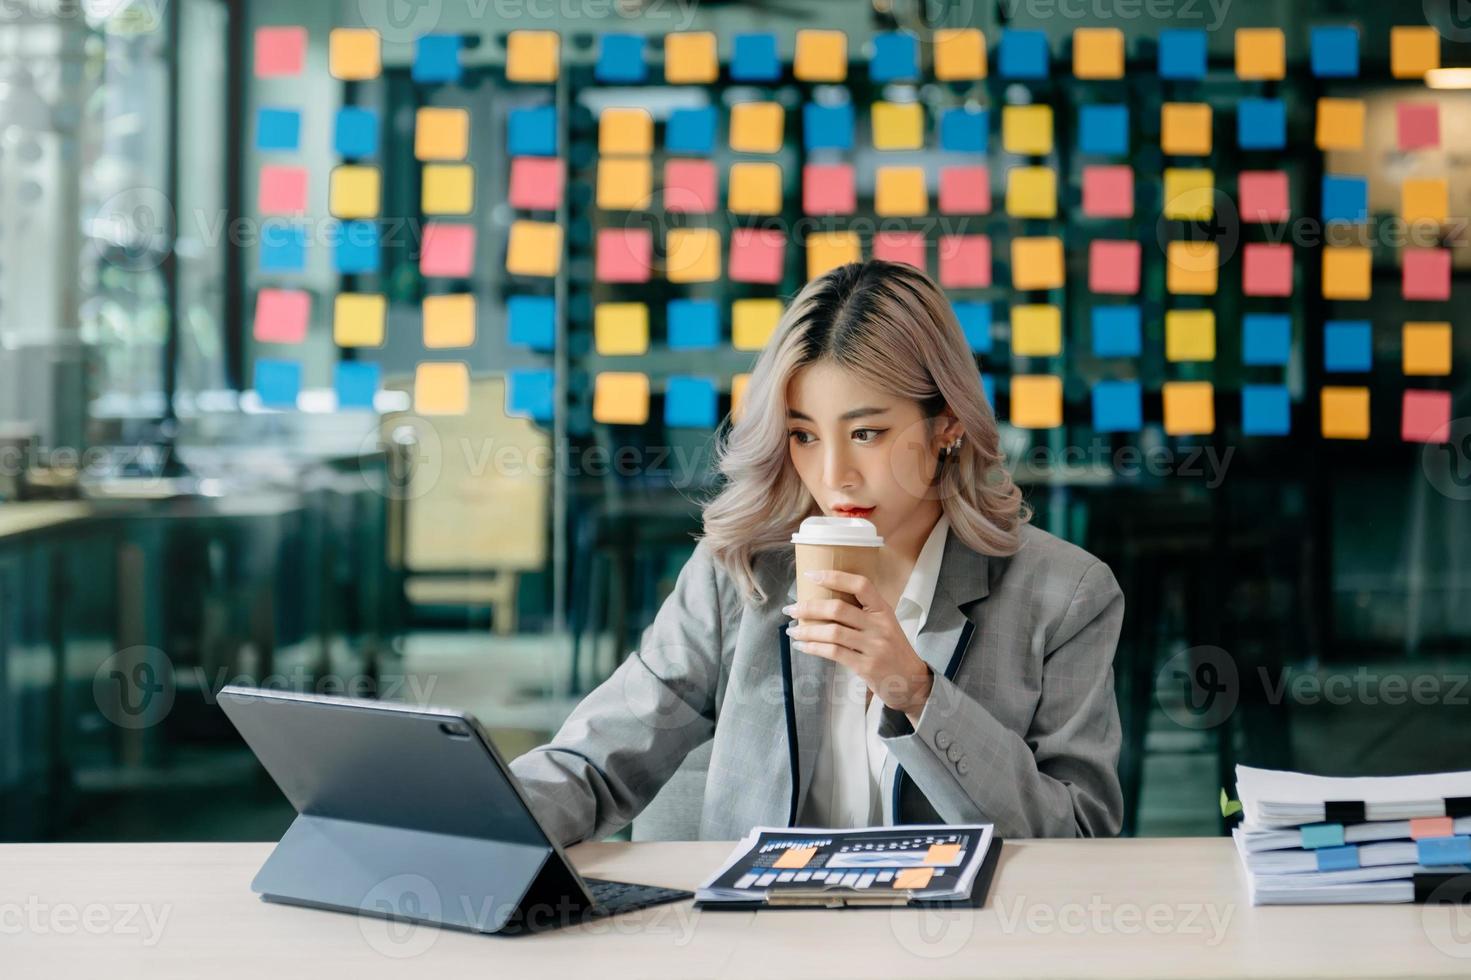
(972, 683)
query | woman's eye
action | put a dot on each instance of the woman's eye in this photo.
(802, 437)
(866, 435)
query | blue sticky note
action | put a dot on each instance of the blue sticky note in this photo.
(1116, 331)
(1348, 345)
(1265, 410)
(277, 383)
(1316, 835)
(691, 131)
(975, 323)
(694, 324)
(1438, 851)
(895, 57)
(1266, 338)
(532, 132)
(282, 248)
(437, 59)
(1024, 54)
(827, 127)
(1344, 858)
(1104, 129)
(753, 58)
(531, 321)
(356, 132)
(621, 59)
(357, 248)
(988, 385)
(1335, 52)
(1118, 406)
(689, 402)
(356, 382)
(1261, 124)
(278, 129)
(1345, 198)
(963, 130)
(1182, 53)
(530, 393)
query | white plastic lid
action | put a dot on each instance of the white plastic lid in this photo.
(849, 532)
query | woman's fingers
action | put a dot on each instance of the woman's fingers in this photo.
(819, 632)
(858, 586)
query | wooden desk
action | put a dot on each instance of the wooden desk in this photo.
(1107, 908)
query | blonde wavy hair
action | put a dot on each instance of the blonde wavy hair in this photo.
(891, 326)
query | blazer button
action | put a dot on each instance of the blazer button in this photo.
(955, 753)
(942, 739)
(962, 767)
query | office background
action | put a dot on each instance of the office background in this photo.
(381, 349)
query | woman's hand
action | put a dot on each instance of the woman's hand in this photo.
(867, 639)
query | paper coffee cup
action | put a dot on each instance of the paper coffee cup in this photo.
(843, 544)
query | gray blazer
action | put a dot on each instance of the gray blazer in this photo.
(1021, 729)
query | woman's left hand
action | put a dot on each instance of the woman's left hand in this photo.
(867, 639)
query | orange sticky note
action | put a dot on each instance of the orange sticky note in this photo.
(1189, 408)
(1425, 199)
(690, 58)
(358, 320)
(1190, 335)
(900, 192)
(1192, 268)
(738, 386)
(442, 388)
(1261, 53)
(822, 56)
(1185, 128)
(1427, 348)
(625, 183)
(795, 858)
(913, 877)
(692, 255)
(960, 54)
(532, 56)
(1345, 412)
(626, 131)
(1036, 330)
(752, 322)
(354, 192)
(945, 854)
(1036, 263)
(757, 127)
(441, 134)
(449, 321)
(354, 54)
(755, 188)
(448, 188)
(1340, 124)
(1027, 129)
(1413, 51)
(1031, 192)
(621, 398)
(827, 250)
(898, 126)
(1036, 403)
(534, 248)
(1422, 827)
(1346, 272)
(1189, 194)
(1098, 52)
(621, 328)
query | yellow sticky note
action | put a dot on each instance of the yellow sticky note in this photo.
(626, 131)
(1261, 53)
(960, 54)
(1185, 128)
(692, 255)
(355, 192)
(822, 56)
(913, 877)
(625, 183)
(757, 127)
(532, 56)
(442, 388)
(795, 858)
(898, 126)
(1425, 199)
(1427, 348)
(442, 134)
(1036, 401)
(944, 854)
(690, 58)
(900, 192)
(1191, 268)
(358, 319)
(755, 188)
(1413, 51)
(354, 54)
(621, 398)
(1189, 194)
(448, 188)
(449, 321)
(1345, 412)
(1190, 408)
(1031, 192)
(1036, 330)
(534, 248)
(826, 250)
(1036, 263)
(1340, 124)
(1027, 129)
(1346, 272)
(752, 322)
(738, 386)
(621, 328)
(1098, 52)
(1190, 335)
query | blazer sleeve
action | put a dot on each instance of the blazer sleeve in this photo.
(1061, 780)
(628, 736)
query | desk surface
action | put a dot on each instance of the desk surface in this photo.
(1102, 908)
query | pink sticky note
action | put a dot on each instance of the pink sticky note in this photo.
(900, 246)
(1108, 191)
(1113, 267)
(1427, 273)
(625, 255)
(965, 190)
(690, 186)
(537, 183)
(1266, 270)
(1417, 125)
(281, 315)
(965, 260)
(757, 255)
(282, 190)
(1263, 196)
(827, 188)
(447, 250)
(1426, 416)
(280, 52)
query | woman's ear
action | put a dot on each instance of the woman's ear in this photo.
(948, 428)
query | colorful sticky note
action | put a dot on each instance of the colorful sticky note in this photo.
(1189, 194)
(624, 255)
(1348, 346)
(693, 324)
(1426, 274)
(689, 403)
(755, 188)
(1024, 54)
(277, 383)
(1335, 51)
(1427, 348)
(1261, 53)
(1266, 410)
(620, 398)
(757, 255)
(1185, 128)
(355, 192)
(1098, 52)
(533, 56)
(752, 322)
(1266, 269)
(1182, 53)
(898, 126)
(356, 384)
(1266, 339)
(282, 248)
(1425, 416)
(965, 190)
(1103, 129)
(625, 183)
(1340, 124)
(1262, 196)
(690, 186)
(1037, 263)
(906, 247)
(1345, 198)
(620, 59)
(691, 131)
(531, 393)
(963, 129)
(1417, 125)
(827, 126)
(354, 54)
(437, 59)
(822, 56)
(754, 58)
(900, 192)
(359, 319)
(738, 385)
(1116, 331)
(895, 57)
(442, 388)
(1345, 412)
(1261, 124)
(1027, 129)
(1189, 408)
(449, 321)
(447, 188)
(441, 134)
(534, 248)
(280, 52)
(757, 127)
(621, 329)
(1413, 51)
(974, 317)
(1191, 268)
(960, 54)
(1108, 191)
(355, 132)
(277, 129)
(281, 316)
(828, 188)
(358, 249)
(690, 58)
(1036, 401)
(795, 857)
(965, 261)
(532, 132)
(1113, 267)
(692, 255)
(1031, 192)
(626, 131)
(537, 183)
(827, 250)
(531, 321)
(1190, 335)
(1036, 330)
(1425, 199)
(282, 189)
(1118, 406)
(1346, 272)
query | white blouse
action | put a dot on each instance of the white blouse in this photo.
(845, 777)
